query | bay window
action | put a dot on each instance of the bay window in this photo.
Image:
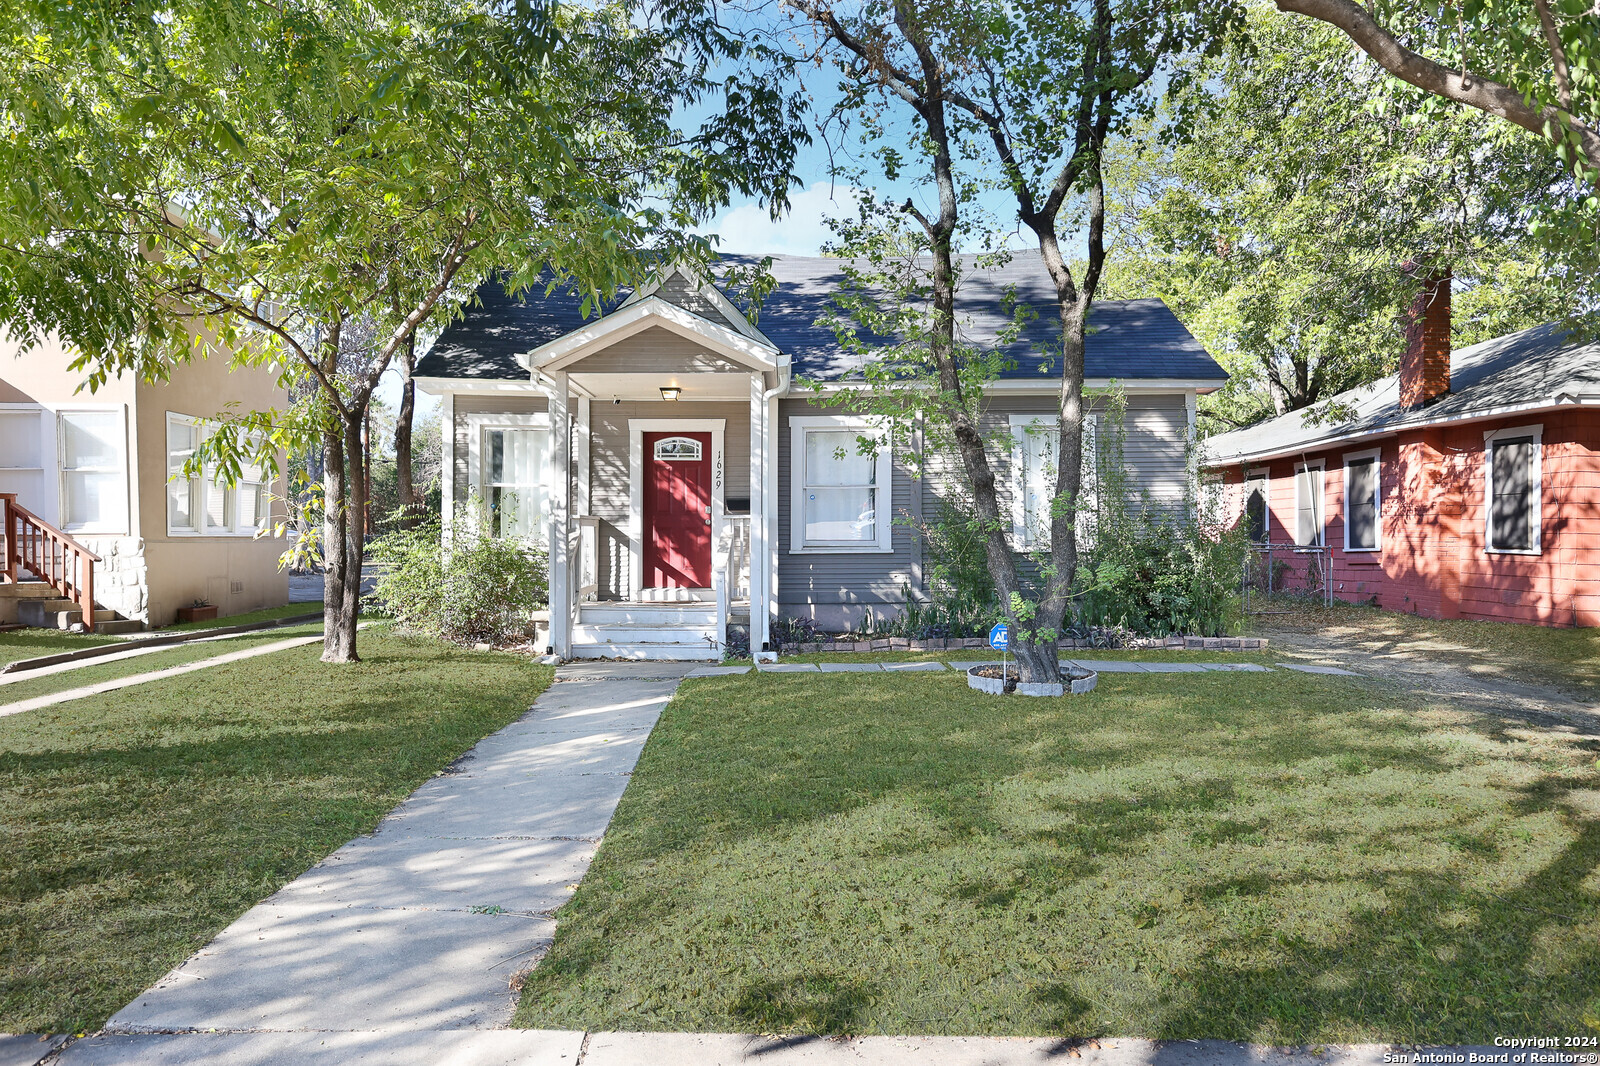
(840, 495)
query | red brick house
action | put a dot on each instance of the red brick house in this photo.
(1466, 486)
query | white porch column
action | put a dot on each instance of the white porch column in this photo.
(769, 521)
(447, 477)
(759, 476)
(582, 490)
(557, 489)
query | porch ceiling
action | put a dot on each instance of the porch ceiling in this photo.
(634, 386)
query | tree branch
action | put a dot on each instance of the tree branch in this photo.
(1416, 69)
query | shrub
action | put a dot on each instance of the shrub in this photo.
(482, 588)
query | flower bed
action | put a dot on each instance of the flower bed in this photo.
(981, 644)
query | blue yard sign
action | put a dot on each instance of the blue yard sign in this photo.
(1000, 637)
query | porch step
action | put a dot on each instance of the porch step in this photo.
(27, 589)
(652, 614)
(64, 614)
(641, 633)
(701, 652)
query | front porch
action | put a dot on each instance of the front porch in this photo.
(662, 532)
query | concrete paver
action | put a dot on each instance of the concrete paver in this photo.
(717, 671)
(787, 668)
(910, 667)
(1308, 668)
(850, 668)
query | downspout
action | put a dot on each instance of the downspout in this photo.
(761, 648)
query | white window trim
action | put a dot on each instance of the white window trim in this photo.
(1321, 504)
(637, 428)
(1535, 493)
(883, 543)
(1264, 475)
(240, 528)
(1376, 455)
(478, 421)
(61, 471)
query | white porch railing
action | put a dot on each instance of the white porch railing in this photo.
(588, 558)
(730, 569)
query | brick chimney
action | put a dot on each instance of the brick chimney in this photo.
(1425, 366)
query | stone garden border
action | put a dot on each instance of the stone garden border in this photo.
(996, 686)
(982, 644)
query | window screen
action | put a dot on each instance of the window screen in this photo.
(1511, 506)
(1361, 494)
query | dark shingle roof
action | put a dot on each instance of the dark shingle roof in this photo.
(1532, 368)
(1130, 339)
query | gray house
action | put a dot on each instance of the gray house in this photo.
(704, 482)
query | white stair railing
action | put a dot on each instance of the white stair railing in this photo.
(730, 572)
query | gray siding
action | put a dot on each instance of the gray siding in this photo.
(1152, 446)
(496, 404)
(678, 291)
(609, 474)
(656, 351)
(836, 588)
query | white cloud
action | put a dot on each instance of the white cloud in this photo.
(802, 231)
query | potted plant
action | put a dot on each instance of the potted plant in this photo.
(198, 611)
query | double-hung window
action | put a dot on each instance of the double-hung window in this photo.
(94, 471)
(1034, 439)
(1363, 500)
(840, 493)
(1308, 507)
(513, 487)
(1511, 490)
(201, 502)
(1257, 511)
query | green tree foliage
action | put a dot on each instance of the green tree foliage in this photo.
(1024, 98)
(303, 185)
(1277, 200)
(1533, 63)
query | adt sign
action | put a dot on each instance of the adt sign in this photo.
(1000, 637)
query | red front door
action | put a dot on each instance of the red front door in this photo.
(677, 510)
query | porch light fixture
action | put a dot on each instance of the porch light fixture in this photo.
(670, 392)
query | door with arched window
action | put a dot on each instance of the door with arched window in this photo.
(677, 510)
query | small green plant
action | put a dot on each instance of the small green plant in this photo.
(467, 587)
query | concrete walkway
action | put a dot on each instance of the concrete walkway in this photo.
(533, 1047)
(399, 941)
(138, 679)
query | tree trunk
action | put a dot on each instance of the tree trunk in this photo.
(402, 439)
(344, 542)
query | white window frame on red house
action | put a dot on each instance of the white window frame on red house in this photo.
(1535, 490)
(1376, 455)
(1262, 474)
(1320, 509)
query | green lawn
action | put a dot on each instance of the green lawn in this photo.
(1275, 857)
(94, 670)
(139, 824)
(1566, 657)
(32, 643)
(266, 614)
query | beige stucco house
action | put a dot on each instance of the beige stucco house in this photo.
(102, 468)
